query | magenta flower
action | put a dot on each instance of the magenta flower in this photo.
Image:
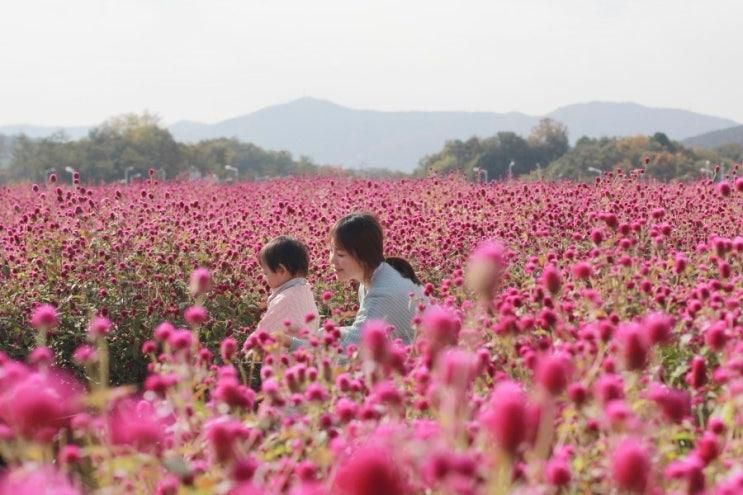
(38, 405)
(370, 470)
(199, 281)
(631, 465)
(99, 327)
(505, 418)
(135, 424)
(196, 315)
(45, 317)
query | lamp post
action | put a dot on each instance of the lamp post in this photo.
(510, 169)
(232, 169)
(126, 174)
(594, 170)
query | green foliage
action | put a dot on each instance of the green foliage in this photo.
(132, 144)
(547, 141)
(661, 158)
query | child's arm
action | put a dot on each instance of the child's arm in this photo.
(273, 319)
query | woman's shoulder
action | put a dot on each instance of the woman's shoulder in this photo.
(390, 280)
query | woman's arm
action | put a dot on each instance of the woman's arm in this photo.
(372, 308)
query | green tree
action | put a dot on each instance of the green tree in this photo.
(549, 140)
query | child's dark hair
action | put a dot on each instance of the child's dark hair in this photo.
(287, 251)
(403, 268)
(360, 234)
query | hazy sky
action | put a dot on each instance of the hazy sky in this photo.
(70, 62)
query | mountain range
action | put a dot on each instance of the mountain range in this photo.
(731, 135)
(333, 134)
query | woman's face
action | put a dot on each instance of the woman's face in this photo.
(346, 266)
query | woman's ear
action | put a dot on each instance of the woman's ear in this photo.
(281, 270)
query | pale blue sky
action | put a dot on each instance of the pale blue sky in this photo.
(77, 62)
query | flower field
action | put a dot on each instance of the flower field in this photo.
(577, 338)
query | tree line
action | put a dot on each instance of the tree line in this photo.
(546, 153)
(126, 147)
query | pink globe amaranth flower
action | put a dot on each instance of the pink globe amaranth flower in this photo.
(41, 356)
(582, 270)
(680, 262)
(370, 470)
(578, 393)
(486, 267)
(231, 392)
(84, 354)
(739, 184)
(37, 405)
(163, 331)
(228, 348)
(69, 454)
(375, 342)
(715, 336)
(551, 279)
(345, 410)
(135, 424)
(675, 404)
(385, 392)
(658, 327)
(168, 485)
(244, 468)
(196, 315)
(697, 376)
(631, 465)
(148, 347)
(223, 435)
(45, 317)
(553, 373)
(181, 340)
(199, 281)
(708, 447)
(99, 327)
(609, 387)
(724, 188)
(505, 418)
(716, 425)
(634, 346)
(39, 480)
(457, 369)
(690, 468)
(440, 326)
(557, 472)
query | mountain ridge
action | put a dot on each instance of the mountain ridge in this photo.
(332, 133)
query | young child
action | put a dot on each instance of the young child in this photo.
(285, 264)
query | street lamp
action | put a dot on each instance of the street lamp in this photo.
(510, 169)
(594, 170)
(232, 169)
(126, 174)
(706, 172)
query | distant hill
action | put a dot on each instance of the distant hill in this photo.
(599, 119)
(330, 133)
(731, 135)
(334, 134)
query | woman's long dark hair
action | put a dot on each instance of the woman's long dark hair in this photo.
(360, 234)
(403, 268)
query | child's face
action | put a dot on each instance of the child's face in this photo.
(346, 266)
(277, 278)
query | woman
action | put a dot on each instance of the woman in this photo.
(385, 290)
